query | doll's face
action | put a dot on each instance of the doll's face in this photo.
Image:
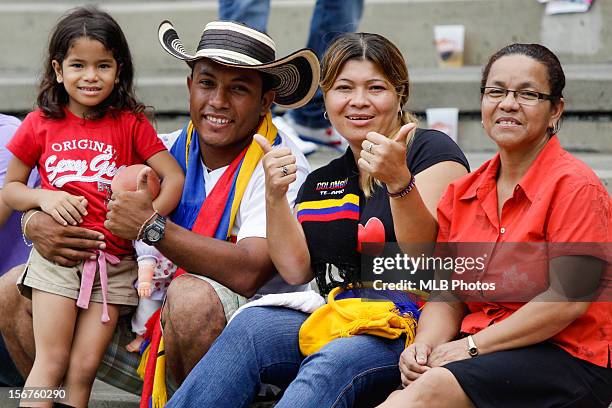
(126, 180)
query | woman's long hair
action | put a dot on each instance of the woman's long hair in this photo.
(389, 60)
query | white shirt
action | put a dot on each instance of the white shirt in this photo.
(251, 216)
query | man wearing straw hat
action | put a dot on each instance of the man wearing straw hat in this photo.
(217, 234)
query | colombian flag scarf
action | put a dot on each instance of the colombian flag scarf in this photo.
(211, 216)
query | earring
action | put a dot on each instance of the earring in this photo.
(553, 130)
(59, 79)
(482, 123)
(325, 115)
(116, 80)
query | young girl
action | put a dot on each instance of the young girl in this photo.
(88, 125)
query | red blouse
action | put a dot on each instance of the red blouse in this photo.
(559, 200)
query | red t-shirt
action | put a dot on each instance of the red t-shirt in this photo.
(559, 200)
(81, 157)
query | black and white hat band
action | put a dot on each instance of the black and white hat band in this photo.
(233, 44)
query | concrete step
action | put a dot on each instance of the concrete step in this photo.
(582, 41)
(105, 396)
(588, 90)
(579, 134)
(490, 24)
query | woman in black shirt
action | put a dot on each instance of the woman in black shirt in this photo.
(390, 178)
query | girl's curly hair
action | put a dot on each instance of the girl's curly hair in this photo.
(92, 23)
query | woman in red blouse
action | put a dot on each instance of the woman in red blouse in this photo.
(549, 350)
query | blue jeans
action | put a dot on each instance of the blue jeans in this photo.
(330, 19)
(261, 346)
(253, 13)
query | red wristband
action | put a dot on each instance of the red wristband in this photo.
(404, 191)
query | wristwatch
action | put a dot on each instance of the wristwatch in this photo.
(472, 349)
(154, 231)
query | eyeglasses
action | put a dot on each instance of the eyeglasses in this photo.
(523, 97)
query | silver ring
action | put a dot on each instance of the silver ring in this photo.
(285, 170)
(370, 147)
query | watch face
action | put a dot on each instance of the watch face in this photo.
(154, 232)
(153, 235)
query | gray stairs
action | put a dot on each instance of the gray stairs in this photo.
(582, 41)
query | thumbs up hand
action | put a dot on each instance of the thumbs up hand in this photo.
(128, 210)
(279, 166)
(402, 135)
(263, 143)
(385, 158)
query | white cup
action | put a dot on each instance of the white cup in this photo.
(449, 44)
(445, 120)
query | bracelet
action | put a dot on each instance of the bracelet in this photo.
(144, 224)
(403, 192)
(24, 226)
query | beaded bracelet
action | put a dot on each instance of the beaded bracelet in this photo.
(403, 192)
(24, 226)
(144, 224)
